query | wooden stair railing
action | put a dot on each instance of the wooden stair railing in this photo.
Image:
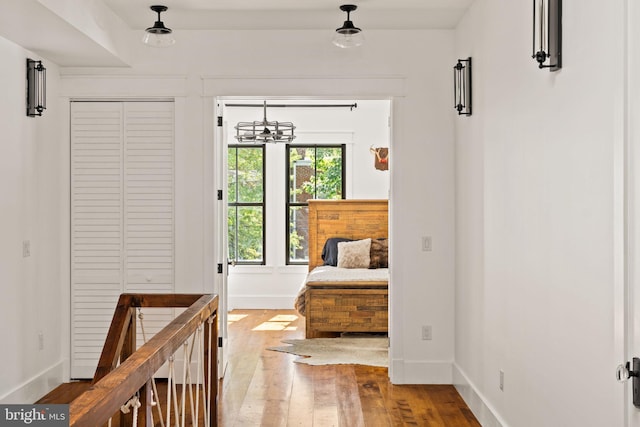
(113, 384)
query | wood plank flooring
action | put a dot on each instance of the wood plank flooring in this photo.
(266, 388)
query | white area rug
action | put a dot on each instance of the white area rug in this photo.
(339, 351)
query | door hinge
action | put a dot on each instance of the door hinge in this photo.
(220, 342)
(219, 120)
(219, 268)
(219, 194)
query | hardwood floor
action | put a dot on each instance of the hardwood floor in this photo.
(266, 388)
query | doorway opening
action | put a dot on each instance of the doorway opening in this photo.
(271, 279)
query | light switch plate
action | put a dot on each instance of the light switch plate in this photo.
(426, 243)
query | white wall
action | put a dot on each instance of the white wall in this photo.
(275, 285)
(30, 203)
(536, 169)
(533, 170)
(422, 177)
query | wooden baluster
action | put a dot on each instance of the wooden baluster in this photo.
(145, 411)
(128, 348)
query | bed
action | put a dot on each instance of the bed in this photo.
(336, 300)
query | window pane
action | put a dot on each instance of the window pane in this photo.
(298, 233)
(232, 166)
(250, 182)
(245, 220)
(250, 234)
(301, 172)
(315, 173)
(328, 177)
(232, 213)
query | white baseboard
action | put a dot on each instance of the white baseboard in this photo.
(36, 387)
(267, 302)
(420, 372)
(481, 408)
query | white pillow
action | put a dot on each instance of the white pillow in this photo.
(354, 254)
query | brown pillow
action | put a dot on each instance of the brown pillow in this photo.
(354, 254)
(379, 255)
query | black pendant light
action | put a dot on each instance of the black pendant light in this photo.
(158, 35)
(348, 35)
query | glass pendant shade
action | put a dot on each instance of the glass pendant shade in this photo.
(348, 35)
(348, 40)
(158, 40)
(158, 35)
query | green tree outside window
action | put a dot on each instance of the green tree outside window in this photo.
(246, 205)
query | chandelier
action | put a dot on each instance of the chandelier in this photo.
(264, 131)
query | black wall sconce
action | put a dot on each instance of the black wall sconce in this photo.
(547, 34)
(462, 87)
(36, 88)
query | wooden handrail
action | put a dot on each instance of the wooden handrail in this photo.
(113, 387)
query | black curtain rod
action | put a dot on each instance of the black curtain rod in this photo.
(350, 106)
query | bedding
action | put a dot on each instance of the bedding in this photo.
(379, 255)
(326, 273)
(330, 250)
(354, 254)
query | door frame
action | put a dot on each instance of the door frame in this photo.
(627, 209)
(215, 89)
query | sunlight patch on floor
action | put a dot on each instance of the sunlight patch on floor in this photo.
(235, 317)
(281, 322)
(271, 326)
(284, 318)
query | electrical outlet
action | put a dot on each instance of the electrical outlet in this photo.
(501, 380)
(426, 243)
(40, 340)
(26, 248)
(426, 333)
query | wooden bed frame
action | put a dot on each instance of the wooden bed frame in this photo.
(335, 307)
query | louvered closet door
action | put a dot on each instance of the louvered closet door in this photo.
(122, 217)
(148, 200)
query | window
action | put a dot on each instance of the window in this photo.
(314, 172)
(246, 207)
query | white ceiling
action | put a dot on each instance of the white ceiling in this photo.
(292, 14)
(81, 33)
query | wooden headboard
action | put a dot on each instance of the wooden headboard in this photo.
(354, 219)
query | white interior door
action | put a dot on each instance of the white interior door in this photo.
(631, 299)
(221, 233)
(122, 217)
